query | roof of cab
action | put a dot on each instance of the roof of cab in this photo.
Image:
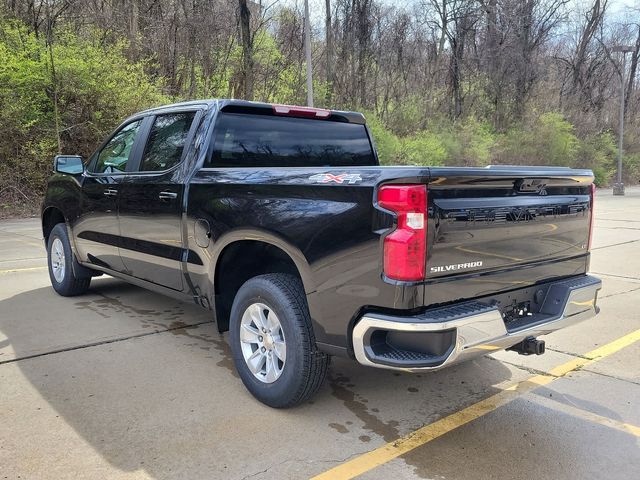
(345, 116)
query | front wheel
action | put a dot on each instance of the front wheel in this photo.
(61, 264)
(273, 343)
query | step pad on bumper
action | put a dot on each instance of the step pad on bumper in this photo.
(458, 332)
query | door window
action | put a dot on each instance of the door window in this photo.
(166, 141)
(114, 156)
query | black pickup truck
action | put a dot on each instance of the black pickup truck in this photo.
(280, 220)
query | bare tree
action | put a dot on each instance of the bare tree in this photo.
(328, 51)
(457, 21)
(247, 50)
(490, 59)
(633, 71)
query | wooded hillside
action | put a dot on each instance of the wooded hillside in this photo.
(456, 82)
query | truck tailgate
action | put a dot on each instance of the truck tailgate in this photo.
(489, 220)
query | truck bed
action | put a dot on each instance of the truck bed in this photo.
(493, 233)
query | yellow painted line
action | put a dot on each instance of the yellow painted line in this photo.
(586, 303)
(15, 270)
(388, 452)
(597, 354)
(491, 348)
(577, 412)
(413, 440)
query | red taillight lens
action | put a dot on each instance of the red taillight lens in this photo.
(591, 207)
(405, 248)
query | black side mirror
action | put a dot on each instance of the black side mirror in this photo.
(69, 164)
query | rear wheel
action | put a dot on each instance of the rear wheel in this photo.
(273, 343)
(63, 265)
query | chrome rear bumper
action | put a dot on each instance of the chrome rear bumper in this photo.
(459, 332)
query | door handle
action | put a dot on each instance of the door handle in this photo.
(167, 195)
(110, 192)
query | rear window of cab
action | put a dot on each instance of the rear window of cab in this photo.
(250, 140)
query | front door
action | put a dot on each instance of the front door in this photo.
(97, 229)
(150, 204)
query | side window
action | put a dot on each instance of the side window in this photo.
(114, 156)
(166, 141)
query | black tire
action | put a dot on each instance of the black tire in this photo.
(69, 284)
(305, 367)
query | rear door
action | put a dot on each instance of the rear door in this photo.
(150, 204)
(97, 231)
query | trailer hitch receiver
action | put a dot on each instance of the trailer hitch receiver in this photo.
(529, 346)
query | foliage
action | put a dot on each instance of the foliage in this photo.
(631, 168)
(598, 152)
(387, 143)
(508, 100)
(278, 81)
(405, 117)
(423, 148)
(94, 88)
(549, 140)
(468, 142)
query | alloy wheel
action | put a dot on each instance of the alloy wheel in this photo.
(263, 343)
(58, 263)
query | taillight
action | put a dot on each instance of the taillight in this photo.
(305, 112)
(405, 248)
(591, 207)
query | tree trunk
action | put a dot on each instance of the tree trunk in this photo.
(54, 80)
(493, 61)
(444, 20)
(457, 47)
(632, 74)
(329, 51)
(594, 19)
(247, 50)
(524, 57)
(363, 49)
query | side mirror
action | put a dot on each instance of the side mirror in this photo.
(69, 164)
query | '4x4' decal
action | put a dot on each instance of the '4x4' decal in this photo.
(349, 178)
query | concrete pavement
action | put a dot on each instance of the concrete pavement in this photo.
(123, 383)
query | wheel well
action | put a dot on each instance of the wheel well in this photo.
(239, 262)
(50, 218)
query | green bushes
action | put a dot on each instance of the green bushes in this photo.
(94, 88)
(548, 139)
(464, 143)
(598, 152)
(423, 148)
(631, 168)
(469, 143)
(387, 143)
